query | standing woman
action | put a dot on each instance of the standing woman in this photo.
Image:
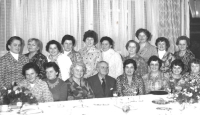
(57, 86)
(55, 55)
(146, 49)
(184, 53)
(133, 47)
(111, 57)
(35, 56)
(163, 45)
(129, 84)
(12, 62)
(91, 55)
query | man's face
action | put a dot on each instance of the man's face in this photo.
(103, 68)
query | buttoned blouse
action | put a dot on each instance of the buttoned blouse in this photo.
(11, 69)
(40, 90)
(142, 67)
(91, 56)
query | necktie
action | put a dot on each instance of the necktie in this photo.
(103, 85)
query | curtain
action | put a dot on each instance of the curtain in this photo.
(118, 19)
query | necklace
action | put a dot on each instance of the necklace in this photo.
(52, 85)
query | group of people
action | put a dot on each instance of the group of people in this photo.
(66, 74)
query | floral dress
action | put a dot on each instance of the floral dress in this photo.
(142, 67)
(155, 83)
(82, 91)
(136, 87)
(167, 60)
(194, 79)
(91, 56)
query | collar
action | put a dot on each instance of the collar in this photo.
(16, 56)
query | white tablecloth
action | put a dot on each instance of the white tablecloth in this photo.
(139, 105)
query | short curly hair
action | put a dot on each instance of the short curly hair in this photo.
(163, 39)
(183, 38)
(54, 42)
(111, 42)
(28, 66)
(155, 58)
(74, 65)
(92, 34)
(130, 61)
(68, 37)
(133, 41)
(177, 62)
(145, 31)
(194, 61)
(11, 40)
(54, 65)
(38, 43)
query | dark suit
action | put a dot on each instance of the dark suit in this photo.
(95, 84)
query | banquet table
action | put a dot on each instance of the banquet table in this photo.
(139, 105)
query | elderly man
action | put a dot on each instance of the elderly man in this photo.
(102, 84)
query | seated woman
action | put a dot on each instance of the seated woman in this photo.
(167, 57)
(133, 47)
(175, 76)
(129, 84)
(155, 79)
(37, 87)
(193, 76)
(78, 87)
(35, 55)
(57, 86)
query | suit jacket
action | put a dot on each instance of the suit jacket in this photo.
(95, 84)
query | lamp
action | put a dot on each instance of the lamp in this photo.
(195, 8)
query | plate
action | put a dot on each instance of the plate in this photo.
(158, 92)
(164, 108)
(160, 101)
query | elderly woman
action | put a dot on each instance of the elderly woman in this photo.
(91, 55)
(175, 76)
(56, 85)
(55, 50)
(163, 45)
(193, 76)
(146, 49)
(184, 53)
(129, 84)
(35, 55)
(37, 87)
(111, 57)
(68, 42)
(133, 47)
(155, 79)
(78, 87)
(12, 62)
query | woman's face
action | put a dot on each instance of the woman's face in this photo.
(195, 68)
(31, 75)
(32, 46)
(129, 69)
(176, 70)
(51, 73)
(89, 41)
(132, 48)
(53, 49)
(105, 45)
(67, 45)
(142, 37)
(154, 66)
(78, 72)
(161, 46)
(182, 45)
(15, 46)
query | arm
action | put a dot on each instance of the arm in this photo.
(2, 73)
(118, 65)
(41, 62)
(47, 96)
(141, 87)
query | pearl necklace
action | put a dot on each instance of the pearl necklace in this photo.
(52, 85)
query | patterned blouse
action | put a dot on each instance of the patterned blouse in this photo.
(40, 60)
(11, 69)
(159, 82)
(124, 89)
(91, 56)
(147, 51)
(167, 60)
(192, 78)
(185, 58)
(40, 90)
(142, 67)
(76, 91)
(75, 56)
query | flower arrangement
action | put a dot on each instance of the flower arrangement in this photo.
(16, 94)
(190, 92)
